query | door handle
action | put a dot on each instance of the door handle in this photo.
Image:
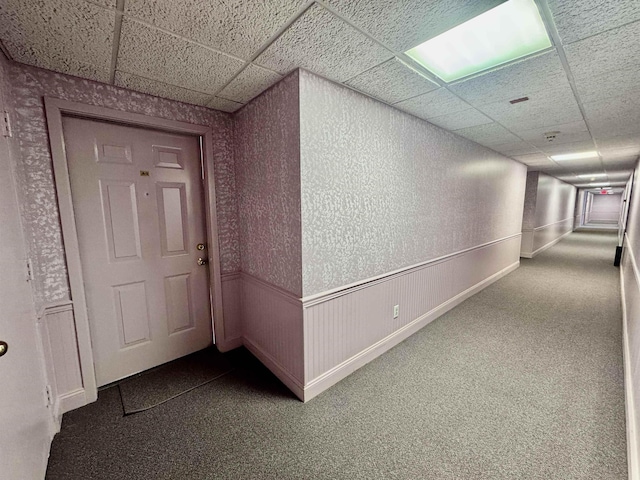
(3, 348)
(202, 261)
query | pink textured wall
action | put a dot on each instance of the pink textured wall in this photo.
(35, 174)
(267, 149)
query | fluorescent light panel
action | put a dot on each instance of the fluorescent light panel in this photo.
(575, 156)
(505, 33)
(590, 175)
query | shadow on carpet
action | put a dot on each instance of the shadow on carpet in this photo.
(166, 382)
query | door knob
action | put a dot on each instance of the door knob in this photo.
(201, 246)
(202, 261)
(3, 348)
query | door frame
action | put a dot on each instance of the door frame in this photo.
(55, 109)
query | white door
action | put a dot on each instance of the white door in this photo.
(138, 204)
(24, 417)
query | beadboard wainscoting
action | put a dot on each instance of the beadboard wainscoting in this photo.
(272, 330)
(345, 329)
(231, 337)
(630, 288)
(538, 239)
(57, 331)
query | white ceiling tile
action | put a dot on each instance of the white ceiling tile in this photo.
(513, 81)
(391, 82)
(578, 19)
(489, 134)
(565, 129)
(609, 84)
(252, 81)
(153, 87)
(616, 49)
(68, 36)
(456, 121)
(544, 108)
(433, 104)
(571, 147)
(561, 139)
(238, 27)
(106, 3)
(150, 53)
(533, 159)
(321, 42)
(223, 104)
(515, 148)
(617, 142)
(618, 175)
(622, 162)
(403, 24)
(614, 116)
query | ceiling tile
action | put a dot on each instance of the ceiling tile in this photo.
(513, 81)
(404, 24)
(456, 121)
(609, 84)
(237, 27)
(515, 148)
(613, 50)
(68, 36)
(252, 81)
(572, 147)
(618, 175)
(153, 87)
(619, 142)
(489, 134)
(433, 104)
(578, 19)
(150, 53)
(567, 131)
(622, 162)
(614, 116)
(391, 82)
(223, 104)
(544, 108)
(533, 159)
(321, 42)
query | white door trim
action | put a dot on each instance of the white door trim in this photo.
(55, 109)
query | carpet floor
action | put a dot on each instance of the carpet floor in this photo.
(524, 380)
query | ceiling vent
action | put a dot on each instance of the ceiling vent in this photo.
(518, 100)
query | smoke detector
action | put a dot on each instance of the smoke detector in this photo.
(551, 136)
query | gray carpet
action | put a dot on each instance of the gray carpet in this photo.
(522, 381)
(162, 384)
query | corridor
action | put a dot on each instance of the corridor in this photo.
(523, 380)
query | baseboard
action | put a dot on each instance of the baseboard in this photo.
(275, 368)
(633, 443)
(339, 372)
(545, 247)
(230, 344)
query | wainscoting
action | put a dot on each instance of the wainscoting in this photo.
(630, 287)
(231, 337)
(57, 331)
(272, 330)
(345, 329)
(538, 239)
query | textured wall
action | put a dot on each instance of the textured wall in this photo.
(35, 174)
(530, 196)
(555, 200)
(267, 150)
(631, 278)
(382, 190)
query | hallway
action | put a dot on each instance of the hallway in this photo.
(523, 380)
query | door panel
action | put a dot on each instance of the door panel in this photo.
(138, 205)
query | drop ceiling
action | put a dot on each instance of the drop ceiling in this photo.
(582, 93)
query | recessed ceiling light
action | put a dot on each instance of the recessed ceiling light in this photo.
(590, 175)
(599, 184)
(575, 156)
(505, 33)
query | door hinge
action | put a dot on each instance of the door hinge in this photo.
(6, 125)
(48, 395)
